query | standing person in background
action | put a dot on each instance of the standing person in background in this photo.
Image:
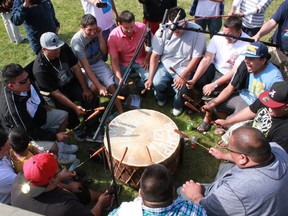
(12, 31)
(38, 17)
(154, 11)
(279, 56)
(252, 13)
(205, 8)
(103, 11)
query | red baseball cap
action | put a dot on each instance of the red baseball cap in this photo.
(276, 97)
(38, 171)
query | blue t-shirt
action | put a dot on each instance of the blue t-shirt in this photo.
(280, 37)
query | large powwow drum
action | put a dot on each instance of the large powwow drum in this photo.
(139, 138)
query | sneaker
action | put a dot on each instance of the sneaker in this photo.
(66, 158)
(161, 103)
(99, 138)
(65, 148)
(177, 112)
(79, 135)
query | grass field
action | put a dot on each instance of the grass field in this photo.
(197, 164)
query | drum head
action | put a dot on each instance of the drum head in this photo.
(141, 129)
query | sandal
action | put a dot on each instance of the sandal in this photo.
(219, 131)
(203, 127)
(222, 144)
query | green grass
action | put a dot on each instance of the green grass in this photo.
(197, 164)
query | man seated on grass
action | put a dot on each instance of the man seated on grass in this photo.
(254, 75)
(56, 71)
(122, 43)
(89, 46)
(183, 51)
(220, 60)
(23, 106)
(156, 197)
(255, 185)
(7, 174)
(270, 113)
(37, 190)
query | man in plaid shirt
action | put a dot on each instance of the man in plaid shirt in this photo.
(156, 197)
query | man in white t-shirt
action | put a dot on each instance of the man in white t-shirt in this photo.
(216, 67)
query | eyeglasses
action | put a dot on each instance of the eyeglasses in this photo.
(229, 150)
(22, 82)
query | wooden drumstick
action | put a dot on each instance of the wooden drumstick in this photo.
(191, 106)
(202, 145)
(118, 96)
(143, 91)
(98, 108)
(148, 153)
(181, 133)
(94, 154)
(122, 158)
(187, 98)
(93, 115)
(192, 102)
(174, 71)
(130, 83)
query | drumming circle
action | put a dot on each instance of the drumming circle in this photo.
(139, 138)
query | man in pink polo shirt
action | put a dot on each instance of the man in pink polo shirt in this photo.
(122, 44)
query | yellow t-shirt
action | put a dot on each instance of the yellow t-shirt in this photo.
(18, 163)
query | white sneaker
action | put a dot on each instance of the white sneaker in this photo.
(65, 148)
(66, 158)
(177, 112)
(161, 103)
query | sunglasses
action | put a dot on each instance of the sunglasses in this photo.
(22, 82)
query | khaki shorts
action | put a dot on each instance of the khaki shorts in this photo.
(54, 119)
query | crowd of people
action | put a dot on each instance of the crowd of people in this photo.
(238, 85)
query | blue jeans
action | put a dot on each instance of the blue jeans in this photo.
(214, 25)
(143, 74)
(162, 80)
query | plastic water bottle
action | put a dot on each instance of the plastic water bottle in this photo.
(74, 165)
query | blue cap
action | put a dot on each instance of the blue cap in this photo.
(257, 50)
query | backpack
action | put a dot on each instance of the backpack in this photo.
(6, 6)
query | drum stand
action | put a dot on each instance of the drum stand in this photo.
(104, 120)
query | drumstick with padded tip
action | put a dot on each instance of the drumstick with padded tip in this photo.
(148, 153)
(143, 91)
(191, 106)
(94, 114)
(94, 154)
(192, 102)
(118, 96)
(174, 71)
